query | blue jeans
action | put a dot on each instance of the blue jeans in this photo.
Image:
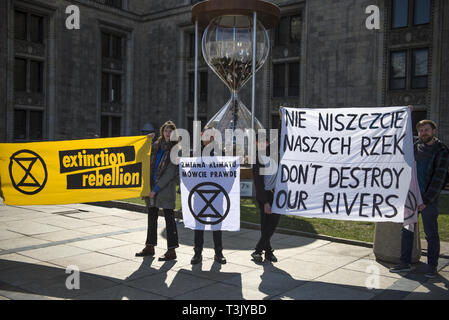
(430, 223)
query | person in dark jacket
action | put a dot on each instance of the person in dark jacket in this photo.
(432, 162)
(164, 178)
(207, 138)
(264, 184)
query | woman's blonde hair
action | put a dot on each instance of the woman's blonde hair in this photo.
(170, 124)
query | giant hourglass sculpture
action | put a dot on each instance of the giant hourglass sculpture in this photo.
(234, 29)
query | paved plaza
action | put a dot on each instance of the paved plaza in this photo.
(40, 246)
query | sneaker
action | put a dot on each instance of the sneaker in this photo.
(431, 272)
(257, 256)
(401, 268)
(270, 256)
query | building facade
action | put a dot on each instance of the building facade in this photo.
(131, 62)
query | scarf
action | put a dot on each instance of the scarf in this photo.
(161, 145)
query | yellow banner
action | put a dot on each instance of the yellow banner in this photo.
(73, 171)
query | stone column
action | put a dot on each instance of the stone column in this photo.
(387, 242)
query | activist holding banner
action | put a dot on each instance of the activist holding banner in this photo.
(74, 171)
(265, 182)
(432, 158)
(164, 178)
(207, 137)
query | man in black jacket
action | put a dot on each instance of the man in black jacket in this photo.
(265, 184)
(432, 162)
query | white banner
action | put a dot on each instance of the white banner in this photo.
(210, 193)
(345, 164)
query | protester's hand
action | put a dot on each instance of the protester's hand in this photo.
(152, 194)
(151, 135)
(421, 207)
(411, 107)
(267, 208)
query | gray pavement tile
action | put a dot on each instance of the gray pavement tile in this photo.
(13, 295)
(127, 252)
(317, 290)
(116, 221)
(98, 244)
(56, 287)
(298, 242)
(101, 229)
(430, 291)
(170, 283)
(53, 252)
(27, 272)
(335, 260)
(366, 265)
(210, 269)
(124, 271)
(243, 258)
(268, 282)
(133, 237)
(300, 269)
(20, 242)
(121, 292)
(65, 222)
(29, 227)
(86, 261)
(365, 281)
(346, 249)
(14, 260)
(46, 208)
(61, 235)
(222, 291)
(8, 218)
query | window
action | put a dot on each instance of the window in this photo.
(114, 3)
(28, 124)
(409, 69)
(111, 85)
(23, 67)
(286, 79)
(275, 121)
(203, 86)
(420, 68)
(202, 83)
(406, 12)
(278, 80)
(111, 46)
(289, 30)
(20, 74)
(422, 12)
(201, 118)
(417, 115)
(36, 31)
(191, 39)
(293, 79)
(20, 25)
(36, 76)
(400, 13)
(398, 70)
(110, 126)
(28, 27)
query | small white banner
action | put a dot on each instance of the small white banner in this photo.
(210, 193)
(345, 164)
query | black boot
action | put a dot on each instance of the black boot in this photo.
(197, 258)
(219, 256)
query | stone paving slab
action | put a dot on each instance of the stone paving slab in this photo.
(38, 243)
